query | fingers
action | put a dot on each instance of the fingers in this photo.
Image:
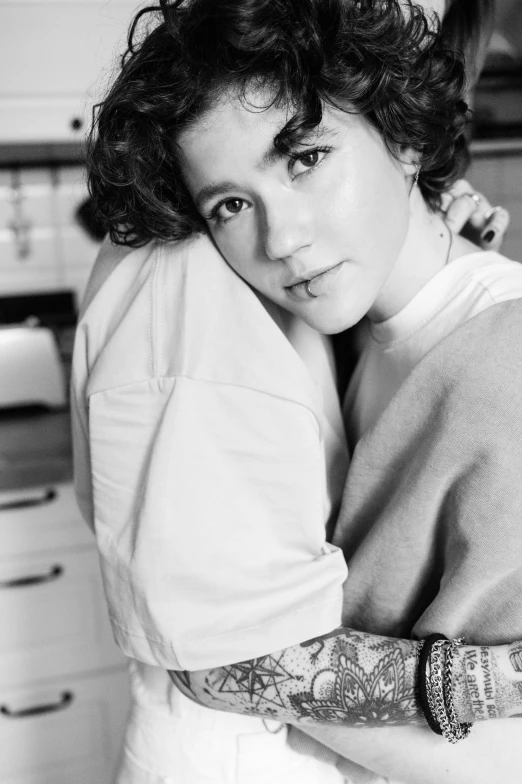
(471, 214)
(497, 222)
(459, 212)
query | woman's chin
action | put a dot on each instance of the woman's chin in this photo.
(329, 322)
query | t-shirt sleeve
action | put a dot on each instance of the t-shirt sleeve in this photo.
(210, 517)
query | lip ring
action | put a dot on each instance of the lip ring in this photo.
(307, 289)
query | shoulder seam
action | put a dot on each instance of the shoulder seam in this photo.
(495, 300)
(148, 379)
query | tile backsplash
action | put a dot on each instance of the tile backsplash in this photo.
(42, 245)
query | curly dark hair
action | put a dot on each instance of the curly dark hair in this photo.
(379, 58)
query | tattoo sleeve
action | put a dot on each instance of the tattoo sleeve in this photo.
(357, 680)
(345, 677)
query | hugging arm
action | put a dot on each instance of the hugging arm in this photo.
(354, 679)
(479, 547)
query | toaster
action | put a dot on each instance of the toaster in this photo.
(31, 371)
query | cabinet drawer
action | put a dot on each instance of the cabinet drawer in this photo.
(41, 518)
(54, 616)
(68, 731)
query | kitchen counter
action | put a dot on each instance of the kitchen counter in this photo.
(496, 147)
(35, 448)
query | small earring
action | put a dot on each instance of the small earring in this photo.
(416, 176)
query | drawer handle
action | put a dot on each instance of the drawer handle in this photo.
(47, 497)
(33, 579)
(64, 702)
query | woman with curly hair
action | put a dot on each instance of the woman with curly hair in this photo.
(310, 143)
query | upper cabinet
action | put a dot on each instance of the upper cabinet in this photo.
(55, 60)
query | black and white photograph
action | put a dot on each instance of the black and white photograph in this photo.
(261, 391)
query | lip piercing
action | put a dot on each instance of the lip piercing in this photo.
(307, 289)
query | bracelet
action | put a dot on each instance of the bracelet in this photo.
(460, 731)
(424, 681)
(435, 688)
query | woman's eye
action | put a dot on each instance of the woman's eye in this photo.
(306, 161)
(310, 159)
(230, 207)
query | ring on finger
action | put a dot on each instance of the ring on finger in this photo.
(475, 196)
(489, 214)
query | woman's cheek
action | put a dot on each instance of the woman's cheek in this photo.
(237, 252)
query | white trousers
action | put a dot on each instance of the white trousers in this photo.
(172, 740)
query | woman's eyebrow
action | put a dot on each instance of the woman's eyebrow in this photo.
(212, 190)
(271, 156)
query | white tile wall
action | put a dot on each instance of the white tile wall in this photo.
(57, 252)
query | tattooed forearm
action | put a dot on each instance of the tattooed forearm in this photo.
(357, 680)
(489, 682)
(344, 677)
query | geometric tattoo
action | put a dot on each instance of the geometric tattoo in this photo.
(332, 684)
(259, 678)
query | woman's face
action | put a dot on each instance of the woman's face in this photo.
(335, 212)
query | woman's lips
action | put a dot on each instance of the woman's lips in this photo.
(319, 284)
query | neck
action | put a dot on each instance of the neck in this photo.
(426, 250)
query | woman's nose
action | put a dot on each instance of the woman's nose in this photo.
(288, 229)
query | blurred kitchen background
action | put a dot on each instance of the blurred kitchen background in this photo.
(63, 684)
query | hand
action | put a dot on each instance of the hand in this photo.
(469, 213)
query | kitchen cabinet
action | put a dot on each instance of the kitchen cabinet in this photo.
(63, 682)
(62, 732)
(55, 59)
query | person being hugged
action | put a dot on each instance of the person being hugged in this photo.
(310, 143)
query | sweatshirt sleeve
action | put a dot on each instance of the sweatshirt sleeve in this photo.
(430, 523)
(431, 529)
(480, 518)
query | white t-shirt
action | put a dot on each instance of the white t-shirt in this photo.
(202, 450)
(389, 350)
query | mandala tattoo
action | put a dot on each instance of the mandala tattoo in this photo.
(344, 693)
(259, 679)
(515, 656)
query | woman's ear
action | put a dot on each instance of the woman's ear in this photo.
(409, 161)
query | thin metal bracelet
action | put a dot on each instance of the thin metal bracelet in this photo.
(442, 691)
(429, 695)
(459, 730)
(437, 690)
